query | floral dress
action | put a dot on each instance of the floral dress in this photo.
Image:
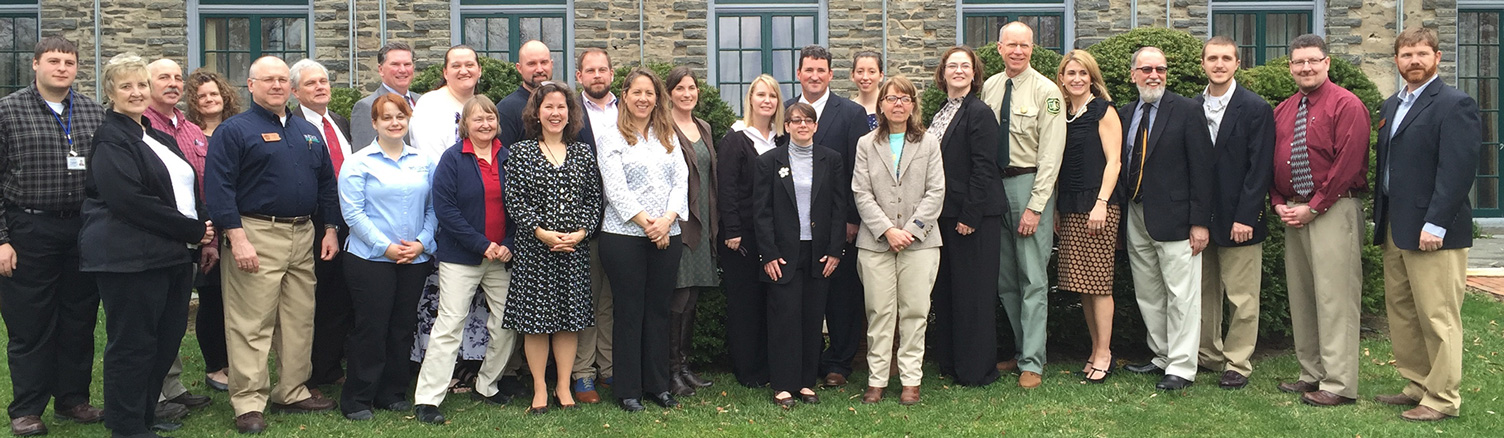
(550, 291)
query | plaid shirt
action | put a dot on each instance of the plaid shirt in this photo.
(190, 138)
(34, 149)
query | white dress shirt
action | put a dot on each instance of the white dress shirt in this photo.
(318, 122)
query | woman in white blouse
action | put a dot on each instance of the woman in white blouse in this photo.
(646, 192)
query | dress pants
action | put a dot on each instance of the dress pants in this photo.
(897, 286)
(1423, 293)
(592, 357)
(643, 276)
(172, 384)
(795, 312)
(964, 334)
(746, 315)
(209, 324)
(145, 316)
(844, 317)
(1167, 286)
(271, 309)
(50, 309)
(1023, 284)
(333, 315)
(1237, 270)
(1324, 267)
(457, 283)
(384, 295)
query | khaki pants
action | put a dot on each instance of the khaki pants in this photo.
(1323, 264)
(897, 290)
(1237, 271)
(592, 357)
(270, 310)
(1167, 286)
(457, 285)
(172, 386)
(1423, 292)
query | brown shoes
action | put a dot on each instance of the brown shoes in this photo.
(588, 397)
(30, 425)
(80, 413)
(1232, 380)
(1396, 400)
(1008, 365)
(250, 422)
(1325, 398)
(311, 404)
(1299, 387)
(909, 396)
(1422, 413)
(1029, 380)
(835, 379)
(873, 395)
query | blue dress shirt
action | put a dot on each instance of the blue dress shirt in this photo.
(386, 201)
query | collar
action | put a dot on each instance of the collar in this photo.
(406, 149)
(1231, 88)
(312, 117)
(1154, 104)
(469, 148)
(590, 104)
(1410, 96)
(170, 118)
(1320, 91)
(267, 114)
(122, 118)
(1022, 76)
(817, 102)
(67, 100)
(408, 94)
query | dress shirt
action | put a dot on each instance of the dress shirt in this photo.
(182, 175)
(386, 201)
(819, 104)
(1133, 126)
(602, 119)
(34, 147)
(435, 122)
(1407, 99)
(1216, 107)
(1036, 128)
(1337, 133)
(411, 102)
(942, 119)
(318, 122)
(260, 163)
(759, 143)
(641, 178)
(190, 138)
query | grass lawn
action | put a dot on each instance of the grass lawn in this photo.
(1127, 405)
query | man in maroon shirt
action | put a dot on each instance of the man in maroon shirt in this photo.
(1320, 165)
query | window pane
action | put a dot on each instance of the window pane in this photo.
(474, 32)
(237, 68)
(1274, 30)
(530, 29)
(730, 68)
(1049, 32)
(8, 33)
(1467, 60)
(1488, 28)
(751, 32)
(1467, 24)
(498, 31)
(977, 33)
(732, 94)
(296, 34)
(804, 31)
(272, 35)
(751, 65)
(1246, 28)
(729, 33)
(1488, 61)
(783, 33)
(783, 65)
(1490, 127)
(1488, 192)
(553, 34)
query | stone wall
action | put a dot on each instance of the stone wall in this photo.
(1097, 20)
(422, 24)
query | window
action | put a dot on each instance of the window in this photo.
(18, 38)
(753, 37)
(981, 19)
(226, 36)
(497, 29)
(1261, 35)
(1478, 67)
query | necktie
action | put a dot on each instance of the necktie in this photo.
(410, 102)
(1141, 144)
(1004, 112)
(1300, 158)
(336, 155)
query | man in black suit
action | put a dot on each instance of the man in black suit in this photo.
(1242, 128)
(1167, 179)
(842, 122)
(1429, 141)
(333, 310)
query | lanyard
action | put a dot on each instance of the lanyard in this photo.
(68, 126)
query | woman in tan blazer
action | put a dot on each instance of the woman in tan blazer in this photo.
(899, 184)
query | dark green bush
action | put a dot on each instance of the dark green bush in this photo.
(1182, 50)
(341, 100)
(711, 109)
(1044, 61)
(497, 79)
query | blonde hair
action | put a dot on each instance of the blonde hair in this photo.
(123, 64)
(778, 113)
(1098, 85)
(659, 122)
(914, 131)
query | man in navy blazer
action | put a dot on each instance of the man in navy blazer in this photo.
(595, 74)
(842, 122)
(592, 357)
(1429, 140)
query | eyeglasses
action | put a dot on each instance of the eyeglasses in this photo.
(1307, 62)
(1153, 69)
(274, 80)
(798, 122)
(954, 66)
(895, 99)
(1016, 46)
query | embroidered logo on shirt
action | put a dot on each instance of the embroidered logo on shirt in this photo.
(1052, 105)
(312, 140)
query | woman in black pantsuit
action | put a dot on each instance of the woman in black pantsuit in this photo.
(801, 232)
(964, 334)
(140, 237)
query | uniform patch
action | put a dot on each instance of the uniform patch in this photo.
(1052, 105)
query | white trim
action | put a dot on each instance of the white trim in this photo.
(1014, 7)
(195, 28)
(1480, 4)
(1316, 7)
(780, 7)
(20, 9)
(821, 9)
(1066, 8)
(566, 10)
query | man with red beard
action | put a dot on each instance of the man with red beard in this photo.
(536, 65)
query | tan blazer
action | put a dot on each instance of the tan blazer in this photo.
(910, 201)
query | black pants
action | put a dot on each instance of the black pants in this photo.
(845, 316)
(963, 337)
(746, 315)
(50, 310)
(642, 278)
(795, 312)
(384, 295)
(209, 324)
(145, 316)
(332, 315)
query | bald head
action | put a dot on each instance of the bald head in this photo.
(1016, 29)
(1015, 42)
(166, 84)
(535, 63)
(269, 84)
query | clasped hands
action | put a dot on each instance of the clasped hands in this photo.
(657, 228)
(558, 241)
(405, 251)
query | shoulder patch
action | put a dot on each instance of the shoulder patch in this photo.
(1052, 105)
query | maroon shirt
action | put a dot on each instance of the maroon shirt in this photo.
(1336, 140)
(496, 224)
(190, 138)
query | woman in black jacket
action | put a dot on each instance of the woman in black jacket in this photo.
(141, 232)
(964, 334)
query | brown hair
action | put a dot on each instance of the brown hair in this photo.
(442, 68)
(804, 109)
(1306, 41)
(915, 130)
(1417, 35)
(479, 103)
(196, 80)
(54, 43)
(533, 126)
(976, 69)
(659, 122)
(378, 106)
(1098, 84)
(1220, 40)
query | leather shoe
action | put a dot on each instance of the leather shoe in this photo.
(361, 415)
(168, 411)
(1299, 387)
(1144, 368)
(80, 413)
(191, 401)
(429, 414)
(810, 399)
(310, 404)
(909, 396)
(1029, 380)
(631, 404)
(166, 426)
(215, 385)
(397, 406)
(1008, 365)
(584, 390)
(498, 398)
(1422, 413)
(664, 399)
(30, 425)
(1172, 382)
(1396, 400)
(835, 379)
(1233, 380)
(250, 422)
(1325, 398)
(786, 402)
(873, 395)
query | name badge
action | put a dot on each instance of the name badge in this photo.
(271, 136)
(76, 163)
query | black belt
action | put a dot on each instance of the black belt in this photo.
(1016, 171)
(61, 214)
(295, 220)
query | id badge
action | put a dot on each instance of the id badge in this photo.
(76, 163)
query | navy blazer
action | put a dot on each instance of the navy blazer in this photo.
(459, 201)
(1177, 176)
(778, 211)
(131, 221)
(841, 124)
(1244, 169)
(1430, 162)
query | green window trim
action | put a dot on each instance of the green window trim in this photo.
(1257, 52)
(514, 39)
(1479, 71)
(732, 82)
(1033, 18)
(16, 50)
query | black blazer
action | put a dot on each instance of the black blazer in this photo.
(735, 165)
(778, 211)
(1244, 170)
(339, 122)
(344, 128)
(973, 184)
(1430, 162)
(1177, 176)
(842, 123)
(587, 133)
(131, 221)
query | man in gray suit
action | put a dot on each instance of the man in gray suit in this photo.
(395, 65)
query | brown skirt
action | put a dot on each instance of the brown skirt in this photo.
(1087, 260)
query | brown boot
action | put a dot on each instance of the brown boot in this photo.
(682, 326)
(909, 396)
(873, 395)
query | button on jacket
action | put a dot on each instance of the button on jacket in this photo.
(910, 201)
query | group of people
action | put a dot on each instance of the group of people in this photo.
(446, 227)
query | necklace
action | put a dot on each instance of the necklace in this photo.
(1079, 111)
(549, 151)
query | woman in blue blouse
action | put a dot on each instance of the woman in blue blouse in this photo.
(384, 194)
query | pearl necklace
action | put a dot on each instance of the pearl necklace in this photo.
(1069, 120)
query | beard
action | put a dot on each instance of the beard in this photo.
(1417, 74)
(1150, 94)
(598, 94)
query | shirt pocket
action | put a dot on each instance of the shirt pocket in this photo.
(1023, 119)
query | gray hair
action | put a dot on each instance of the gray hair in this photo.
(296, 71)
(122, 64)
(1132, 60)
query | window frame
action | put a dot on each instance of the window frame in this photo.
(514, 10)
(1012, 9)
(200, 10)
(1497, 173)
(10, 10)
(1316, 25)
(766, 9)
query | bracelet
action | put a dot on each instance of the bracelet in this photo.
(1103, 200)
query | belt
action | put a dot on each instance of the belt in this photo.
(1303, 199)
(61, 214)
(1016, 171)
(295, 220)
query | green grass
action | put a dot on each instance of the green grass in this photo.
(1126, 406)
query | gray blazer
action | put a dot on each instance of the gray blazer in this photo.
(911, 200)
(361, 132)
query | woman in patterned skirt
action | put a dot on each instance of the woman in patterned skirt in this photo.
(554, 197)
(697, 264)
(1088, 202)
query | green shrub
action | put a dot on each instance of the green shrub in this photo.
(1044, 61)
(711, 108)
(341, 100)
(1182, 51)
(497, 79)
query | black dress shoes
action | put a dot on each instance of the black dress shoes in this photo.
(631, 404)
(1172, 382)
(664, 399)
(1144, 368)
(429, 414)
(1232, 380)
